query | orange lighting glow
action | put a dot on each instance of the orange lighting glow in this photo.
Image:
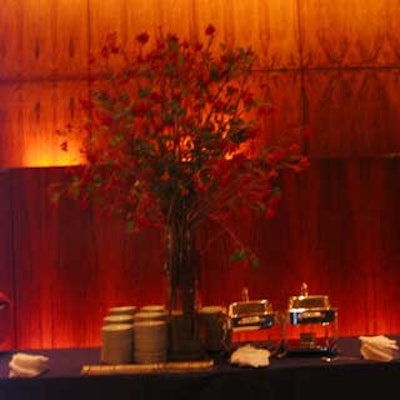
(50, 154)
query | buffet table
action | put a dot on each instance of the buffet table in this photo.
(286, 378)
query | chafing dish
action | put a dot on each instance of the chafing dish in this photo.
(246, 315)
(311, 323)
(252, 321)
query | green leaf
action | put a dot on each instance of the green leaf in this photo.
(238, 255)
(130, 226)
(214, 73)
(255, 263)
(144, 92)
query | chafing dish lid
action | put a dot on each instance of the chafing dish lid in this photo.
(314, 301)
(306, 301)
(248, 308)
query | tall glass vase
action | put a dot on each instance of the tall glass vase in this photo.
(182, 266)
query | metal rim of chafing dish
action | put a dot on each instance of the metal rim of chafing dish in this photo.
(255, 314)
(249, 308)
(308, 301)
(316, 315)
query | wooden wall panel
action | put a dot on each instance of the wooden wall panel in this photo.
(284, 91)
(33, 275)
(53, 38)
(69, 42)
(11, 124)
(106, 18)
(353, 113)
(177, 16)
(348, 33)
(387, 286)
(37, 37)
(392, 23)
(30, 115)
(69, 268)
(47, 107)
(128, 18)
(10, 39)
(7, 289)
(55, 299)
(151, 16)
(269, 27)
(43, 39)
(128, 275)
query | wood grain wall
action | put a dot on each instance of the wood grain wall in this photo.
(333, 64)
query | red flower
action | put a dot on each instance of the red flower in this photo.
(270, 212)
(64, 146)
(143, 38)
(210, 30)
(172, 38)
(302, 164)
(276, 156)
(184, 192)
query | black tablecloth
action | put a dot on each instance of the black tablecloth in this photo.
(286, 378)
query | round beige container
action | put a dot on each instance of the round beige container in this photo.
(150, 342)
(125, 310)
(117, 344)
(118, 319)
(153, 308)
(150, 316)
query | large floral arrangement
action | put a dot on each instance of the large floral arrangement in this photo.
(170, 140)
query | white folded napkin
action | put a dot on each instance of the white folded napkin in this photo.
(27, 365)
(378, 348)
(249, 355)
